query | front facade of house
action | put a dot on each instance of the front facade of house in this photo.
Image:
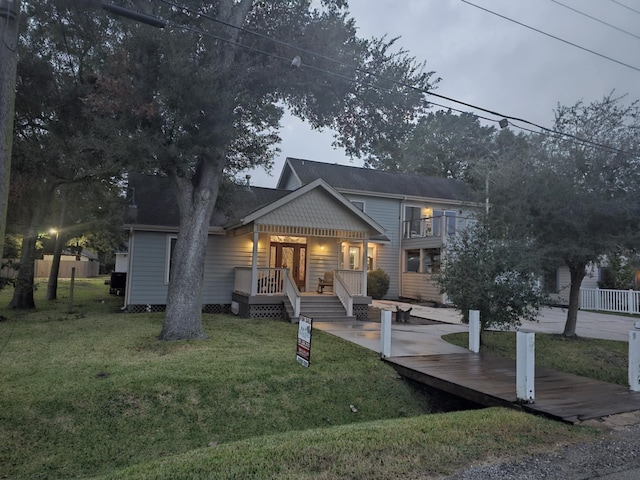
(262, 263)
(266, 257)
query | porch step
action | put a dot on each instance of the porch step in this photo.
(321, 308)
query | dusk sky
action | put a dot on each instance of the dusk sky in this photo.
(495, 63)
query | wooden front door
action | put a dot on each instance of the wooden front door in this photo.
(292, 256)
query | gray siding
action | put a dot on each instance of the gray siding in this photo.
(147, 274)
(387, 213)
(420, 286)
(564, 283)
(224, 254)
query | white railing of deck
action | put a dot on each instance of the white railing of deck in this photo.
(606, 300)
(271, 281)
(292, 292)
(341, 289)
(353, 280)
(242, 282)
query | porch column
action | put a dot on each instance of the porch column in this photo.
(254, 262)
(365, 253)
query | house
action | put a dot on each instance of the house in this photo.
(269, 249)
(419, 215)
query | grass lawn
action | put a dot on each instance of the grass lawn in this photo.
(95, 393)
(606, 360)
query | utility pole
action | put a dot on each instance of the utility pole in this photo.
(9, 19)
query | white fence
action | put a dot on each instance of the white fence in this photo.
(619, 301)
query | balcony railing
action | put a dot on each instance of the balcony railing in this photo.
(440, 226)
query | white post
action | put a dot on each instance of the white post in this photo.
(634, 359)
(474, 331)
(630, 306)
(525, 367)
(385, 333)
(254, 262)
(365, 258)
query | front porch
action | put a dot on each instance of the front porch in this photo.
(273, 292)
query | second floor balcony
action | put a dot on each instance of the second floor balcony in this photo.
(434, 230)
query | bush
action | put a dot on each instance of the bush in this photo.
(377, 283)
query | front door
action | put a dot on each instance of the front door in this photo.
(292, 256)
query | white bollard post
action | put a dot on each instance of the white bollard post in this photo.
(634, 359)
(474, 331)
(385, 333)
(525, 367)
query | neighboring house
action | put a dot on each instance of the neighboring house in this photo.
(557, 282)
(269, 248)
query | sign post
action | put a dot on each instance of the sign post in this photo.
(303, 349)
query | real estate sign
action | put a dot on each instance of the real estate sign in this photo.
(303, 350)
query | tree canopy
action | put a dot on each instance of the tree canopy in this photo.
(204, 96)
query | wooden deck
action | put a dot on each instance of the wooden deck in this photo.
(491, 381)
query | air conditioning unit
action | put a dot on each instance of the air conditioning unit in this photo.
(235, 308)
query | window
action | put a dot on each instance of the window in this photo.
(412, 217)
(354, 258)
(370, 258)
(412, 261)
(358, 204)
(171, 245)
(431, 260)
(550, 282)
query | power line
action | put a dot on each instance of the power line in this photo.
(373, 74)
(626, 6)
(596, 19)
(553, 36)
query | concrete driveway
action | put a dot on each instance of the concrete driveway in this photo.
(411, 339)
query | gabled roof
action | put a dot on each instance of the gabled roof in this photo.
(155, 203)
(365, 180)
(292, 197)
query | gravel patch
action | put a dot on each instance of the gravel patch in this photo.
(614, 456)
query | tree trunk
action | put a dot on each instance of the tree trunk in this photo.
(9, 34)
(578, 272)
(23, 292)
(52, 285)
(196, 200)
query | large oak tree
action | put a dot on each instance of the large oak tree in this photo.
(204, 96)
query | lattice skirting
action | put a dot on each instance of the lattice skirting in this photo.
(361, 311)
(267, 311)
(209, 308)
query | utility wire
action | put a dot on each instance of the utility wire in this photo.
(596, 19)
(156, 22)
(553, 36)
(626, 6)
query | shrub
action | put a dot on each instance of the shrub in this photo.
(377, 283)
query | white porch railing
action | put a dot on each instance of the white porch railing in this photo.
(341, 289)
(270, 281)
(619, 301)
(352, 279)
(292, 293)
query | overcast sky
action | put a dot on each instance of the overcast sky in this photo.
(494, 63)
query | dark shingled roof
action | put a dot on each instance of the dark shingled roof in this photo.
(369, 180)
(156, 204)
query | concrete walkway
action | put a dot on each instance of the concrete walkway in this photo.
(411, 339)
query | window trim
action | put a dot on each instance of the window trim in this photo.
(169, 246)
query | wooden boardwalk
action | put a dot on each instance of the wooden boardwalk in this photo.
(491, 381)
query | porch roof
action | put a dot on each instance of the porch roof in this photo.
(314, 209)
